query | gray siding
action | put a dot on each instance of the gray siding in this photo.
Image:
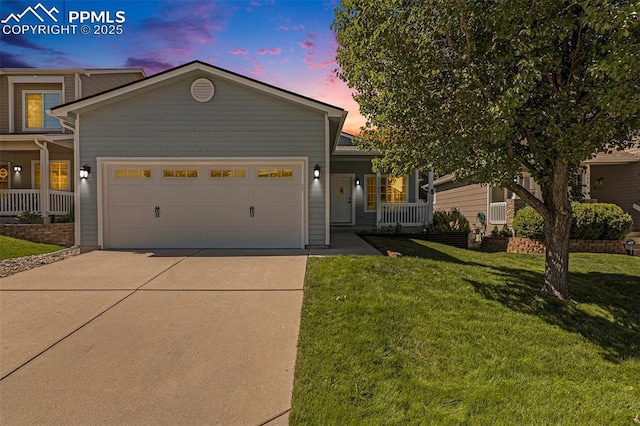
(97, 83)
(468, 199)
(620, 185)
(238, 122)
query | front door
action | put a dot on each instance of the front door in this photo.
(341, 199)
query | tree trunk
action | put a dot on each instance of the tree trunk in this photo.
(557, 228)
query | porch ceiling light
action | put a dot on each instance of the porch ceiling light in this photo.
(316, 172)
(357, 181)
(17, 169)
(84, 171)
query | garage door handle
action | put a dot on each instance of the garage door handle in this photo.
(157, 211)
(252, 211)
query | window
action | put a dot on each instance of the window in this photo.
(228, 173)
(36, 103)
(275, 173)
(167, 173)
(392, 190)
(132, 173)
(58, 175)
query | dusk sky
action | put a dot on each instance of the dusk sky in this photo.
(288, 44)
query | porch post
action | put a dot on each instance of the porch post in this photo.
(378, 198)
(44, 177)
(586, 183)
(430, 194)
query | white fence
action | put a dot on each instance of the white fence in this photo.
(405, 214)
(498, 213)
(16, 201)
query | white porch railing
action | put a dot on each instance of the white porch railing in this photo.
(405, 214)
(498, 213)
(16, 201)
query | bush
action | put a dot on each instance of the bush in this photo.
(28, 217)
(598, 221)
(451, 221)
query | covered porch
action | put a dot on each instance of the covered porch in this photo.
(36, 174)
(416, 214)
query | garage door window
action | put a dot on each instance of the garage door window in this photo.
(132, 174)
(275, 173)
(228, 173)
(179, 173)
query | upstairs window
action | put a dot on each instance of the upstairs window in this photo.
(35, 104)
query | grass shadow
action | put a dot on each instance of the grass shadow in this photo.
(604, 307)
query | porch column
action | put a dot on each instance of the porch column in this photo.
(378, 209)
(430, 194)
(586, 183)
(44, 177)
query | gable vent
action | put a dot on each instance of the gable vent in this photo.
(202, 90)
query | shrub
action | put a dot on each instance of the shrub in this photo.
(505, 231)
(495, 232)
(451, 221)
(598, 221)
(28, 217)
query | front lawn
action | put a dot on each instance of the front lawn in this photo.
(12, 247)
(453, 336)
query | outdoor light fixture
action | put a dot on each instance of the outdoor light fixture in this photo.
(316, 172)
(357, 181)
(84, 171)
(17, 169)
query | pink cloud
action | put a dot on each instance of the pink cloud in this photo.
(298, 27)
(239, 52)
(283, 28)
(275, 51)
(261, 51)
(306, 44)
(257, 67)
(311, 36)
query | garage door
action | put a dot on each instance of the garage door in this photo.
(216, 205)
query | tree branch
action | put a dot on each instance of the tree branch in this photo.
(528, 198)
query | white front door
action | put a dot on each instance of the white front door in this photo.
(341, 199)
(226, 205)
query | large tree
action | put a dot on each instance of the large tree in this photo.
(485, 88)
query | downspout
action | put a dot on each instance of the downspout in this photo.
(378, 199)
(44, 177)
(432, 191)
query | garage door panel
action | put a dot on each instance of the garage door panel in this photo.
(204, 211)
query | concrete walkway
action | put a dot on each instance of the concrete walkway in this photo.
(163, 337)
(155, 337)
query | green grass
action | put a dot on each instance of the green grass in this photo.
(12, 247)
(451, 336)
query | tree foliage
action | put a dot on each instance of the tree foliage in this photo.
(486, 88)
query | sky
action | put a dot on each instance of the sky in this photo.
(288, 44)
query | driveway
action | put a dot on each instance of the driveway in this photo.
(164, 337)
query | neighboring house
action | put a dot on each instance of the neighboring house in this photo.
(198, 156)
(608, 178)
(36, 152)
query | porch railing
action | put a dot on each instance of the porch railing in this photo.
(16, 201)
(498, 213)
(405, 214)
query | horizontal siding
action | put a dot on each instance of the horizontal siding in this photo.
(4, 104)
(468, 199)
(620, 185)
(238, 122)
(97, 83)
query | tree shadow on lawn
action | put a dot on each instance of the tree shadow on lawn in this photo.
(613, 324)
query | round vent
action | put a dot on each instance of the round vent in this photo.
(202, 90)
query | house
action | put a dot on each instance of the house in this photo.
(197, 156)
(36, 151)
(607, 178)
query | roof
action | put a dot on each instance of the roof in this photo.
(629, 155)
(345, 146)
(58, 71)
(69, 110)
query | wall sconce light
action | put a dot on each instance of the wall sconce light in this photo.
(316, 172)
(84, 171)
(357, 181)
(17, 169)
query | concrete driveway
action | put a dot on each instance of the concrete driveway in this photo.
(165, 337)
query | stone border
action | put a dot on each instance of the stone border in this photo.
(526, 245)
(20, 264)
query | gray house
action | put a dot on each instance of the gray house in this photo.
(198, 156)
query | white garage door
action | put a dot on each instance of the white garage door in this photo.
(217, 205)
